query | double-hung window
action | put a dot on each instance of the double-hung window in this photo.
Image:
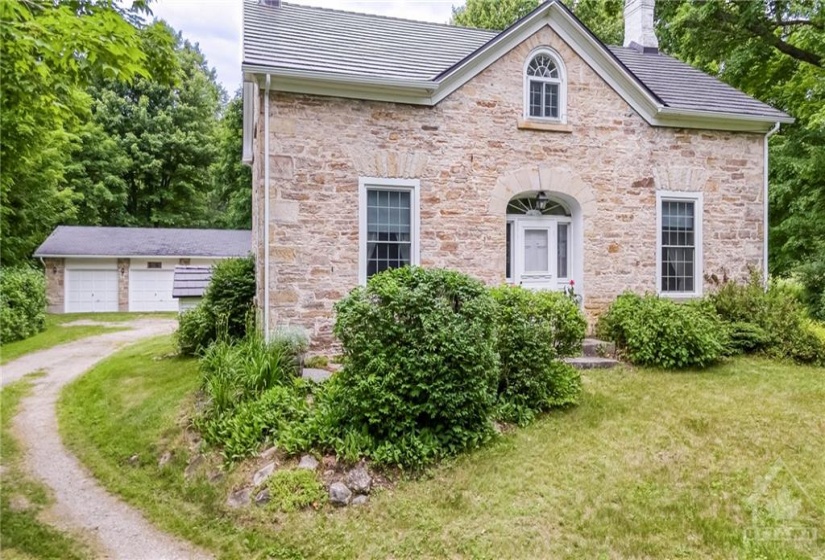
(679, 243)
(389, 225)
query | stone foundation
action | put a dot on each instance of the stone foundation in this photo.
(55, 270)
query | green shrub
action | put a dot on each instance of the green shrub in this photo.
(420, 365)
(196, 330)
(653, 331)
(291, 490)
(241, 431)
(773, 322)
(812, 277)
(226, 309)
(534, 329)
(22, 303)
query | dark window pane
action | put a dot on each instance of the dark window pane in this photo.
(389, 229)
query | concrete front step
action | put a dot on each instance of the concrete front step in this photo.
(595, 348)
(592, 362)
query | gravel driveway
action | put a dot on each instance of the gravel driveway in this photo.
(116, 529)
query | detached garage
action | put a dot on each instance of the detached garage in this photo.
(99, 269)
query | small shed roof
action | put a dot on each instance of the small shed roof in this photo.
(92, 241)
(191, 281)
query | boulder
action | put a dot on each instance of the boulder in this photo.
(263, 473)
(360, 500)
(262, 497)
(339, 494)
(238, 498)
(268, 453)
(359, 480)
(308, 462)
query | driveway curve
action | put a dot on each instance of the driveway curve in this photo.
(117, 530)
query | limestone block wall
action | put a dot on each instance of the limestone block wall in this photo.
(55, 270)
(471, 156)
(123, 284)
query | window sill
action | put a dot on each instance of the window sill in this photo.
(680, 296)
(524, 124)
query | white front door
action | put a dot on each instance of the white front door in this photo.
(539, 252)
(535, 253)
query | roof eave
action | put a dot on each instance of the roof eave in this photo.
(711, 120)
(375, 88)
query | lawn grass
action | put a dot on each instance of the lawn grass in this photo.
(57, 333)
(22, 534)
(726, 463)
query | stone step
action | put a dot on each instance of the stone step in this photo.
(592, 362)
(595, 348)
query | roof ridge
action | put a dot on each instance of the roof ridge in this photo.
(381, 16)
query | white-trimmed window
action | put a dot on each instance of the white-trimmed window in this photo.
(679, 243)
(545, 91)
(389, 224)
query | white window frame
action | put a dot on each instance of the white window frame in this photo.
(698, 256)
(412, 186)
(561, 81)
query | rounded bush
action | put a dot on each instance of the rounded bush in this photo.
(653, 331)
(226, 309)
(420, 364)
(534, 330)
(22, 303)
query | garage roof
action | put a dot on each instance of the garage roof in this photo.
(191, 281)
(86, 241)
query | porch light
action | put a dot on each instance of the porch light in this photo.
(541, 201)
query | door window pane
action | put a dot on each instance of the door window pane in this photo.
(561, 258)
(678, 246)
(389, 230)
(535, 250)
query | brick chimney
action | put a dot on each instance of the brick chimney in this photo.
(638, 26)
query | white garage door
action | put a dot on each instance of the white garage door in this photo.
(151, 290)
(91, 290)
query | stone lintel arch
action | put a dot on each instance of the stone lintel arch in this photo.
(558, 182)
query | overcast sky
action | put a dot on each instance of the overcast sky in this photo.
(216, 24)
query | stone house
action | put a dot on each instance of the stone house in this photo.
(537, 156)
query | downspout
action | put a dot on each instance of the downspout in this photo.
(266, 211)
(770, 133)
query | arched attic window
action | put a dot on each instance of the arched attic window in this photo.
(545, 91)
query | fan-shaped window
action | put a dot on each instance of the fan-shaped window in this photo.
(531, 206)
(544, 89)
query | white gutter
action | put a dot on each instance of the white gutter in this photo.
(266, 211)
(770, 133)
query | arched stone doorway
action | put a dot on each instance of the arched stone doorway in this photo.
(540, 248)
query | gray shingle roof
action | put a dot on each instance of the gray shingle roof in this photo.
(145, 242)
(333, 42)
(191, 281)
(682, 86)
(324, 40)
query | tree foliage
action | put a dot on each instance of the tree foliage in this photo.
(144, 157)
(232, 188)
(49, 51)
